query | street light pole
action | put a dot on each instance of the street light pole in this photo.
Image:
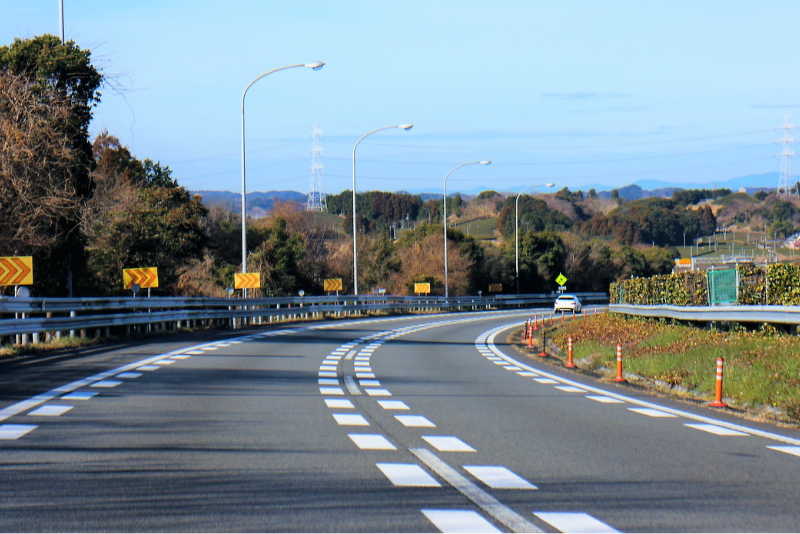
(444, 220)
(516, 228)
(355, 236)
(313, 66)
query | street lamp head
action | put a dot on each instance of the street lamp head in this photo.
(316, 65)
(406, 126)
(486, 162)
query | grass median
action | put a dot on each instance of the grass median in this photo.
(762, 369)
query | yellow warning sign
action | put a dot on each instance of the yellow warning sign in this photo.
(422, 288)
(332, 284)
(16, 271)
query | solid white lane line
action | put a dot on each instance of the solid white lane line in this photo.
(498, 477)
(393, 405)
(331, 391)
(574, 522)
(408, 475)
(80, 395)
(338, 403)
(51, 410)
(415, 421)
(714, 429)
(467, 521)
(571, 389)
(604, 399)
(483, 500)
(129, 375)
(106, 384)
(786, 449)
(545, 380)
(651, 413)
(374, 442)
(378, 392)
(351, 386)
(350, 355)
(448, 444)
(148, 368)
(327, 382)
(327, 374)
(365, 375)
(350, 419)
(365, 383)
(15, 431)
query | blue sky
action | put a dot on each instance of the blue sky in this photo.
(574, 92)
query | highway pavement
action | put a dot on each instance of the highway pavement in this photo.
(402, 424)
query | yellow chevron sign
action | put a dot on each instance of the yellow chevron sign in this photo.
(332, 284)
(422, 288)
(495, 288)
(16, 271)
(247, 280)
(144, 277)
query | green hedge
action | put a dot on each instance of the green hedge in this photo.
(778, 283)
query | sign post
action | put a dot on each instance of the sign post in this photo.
(561, 280)
(422, 288)
(332, 284)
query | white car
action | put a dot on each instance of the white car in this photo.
(568, 303)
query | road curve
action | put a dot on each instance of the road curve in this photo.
(399, 424)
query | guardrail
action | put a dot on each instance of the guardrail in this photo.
(54, 316)
(740, 314)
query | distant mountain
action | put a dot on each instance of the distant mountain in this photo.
(258, 203)
(635, 192)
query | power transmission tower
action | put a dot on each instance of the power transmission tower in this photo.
(786, 155)
(316, 198)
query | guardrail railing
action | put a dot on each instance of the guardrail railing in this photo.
(52, 317)
(739, 314)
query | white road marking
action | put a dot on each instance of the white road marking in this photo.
(393, 405)
(448, 444)
(574, 523)
(374, 442)
(651, 413)
(338, 403)
(378, 392)
(106, 384)
(15, 431)
(327, 374)
(351, 385)
(327, 367)
(164, 362)
(467, 521)
(786, 449)
(330, 362)
(80, 395)
(498, 477)
(328, 382)
(365, 375)
(195, 352)
(571, 389)
(148, 368)
(331, 391)
(129, 375)
(365, 383)
(350, 355)
(512, 368)
(415, 421)
(208, 349)
(714, 429)
(350, 419)
(408, 475)
(180, 356)
(501, 362)
(51, 410)
(361, 364)
(604, 399)
(496, 509)
(223, 344)
(545, 380)
(527, 374)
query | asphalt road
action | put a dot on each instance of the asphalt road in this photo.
(391, 425)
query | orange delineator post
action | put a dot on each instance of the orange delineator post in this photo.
(569, 353)
(551, 319)
(619, 378)
(584, 313)
(535, 323)
(718, 397)
(543, 354)
(530, 339)
(595, 310)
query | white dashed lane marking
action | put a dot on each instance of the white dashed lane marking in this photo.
(467, 521)
(408, 475)
(498, 477)
(545, 380)
(574, 522)
(349, 419)
(365, 375)
(80, 395)
(106, 384)
(51, 410)
(378, 392)
(651, 412)
(331, 391)
(571, 389)
(328, 382)
(338, 403)
(714, 429)
(327, 374)
(448, 444)
(148, 368)
(604, 399)
(15, 431)
(195, 352)
(365, 383)
(414, 421)
(180, 357)
(527, 374)
(393, 405)
(374, 442)
(129, 375)
(788, 449)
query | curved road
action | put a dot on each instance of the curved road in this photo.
(403, 424)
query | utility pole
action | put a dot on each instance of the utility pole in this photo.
(786, 154)
(61, 19)
(316, 198)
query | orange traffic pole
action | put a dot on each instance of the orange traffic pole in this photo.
(551, 319)
(562, 317)
(525, 329)
(535, 323)
(718, 397)
(542, 353)
(619, 378)
(584, 313)
(530, 339)
(573, 314)
(569, 353)
(595, 310)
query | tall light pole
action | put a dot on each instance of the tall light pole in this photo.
(355, 236)
(313, 66)
(484, 162)
(516, 228)
(61, 19)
